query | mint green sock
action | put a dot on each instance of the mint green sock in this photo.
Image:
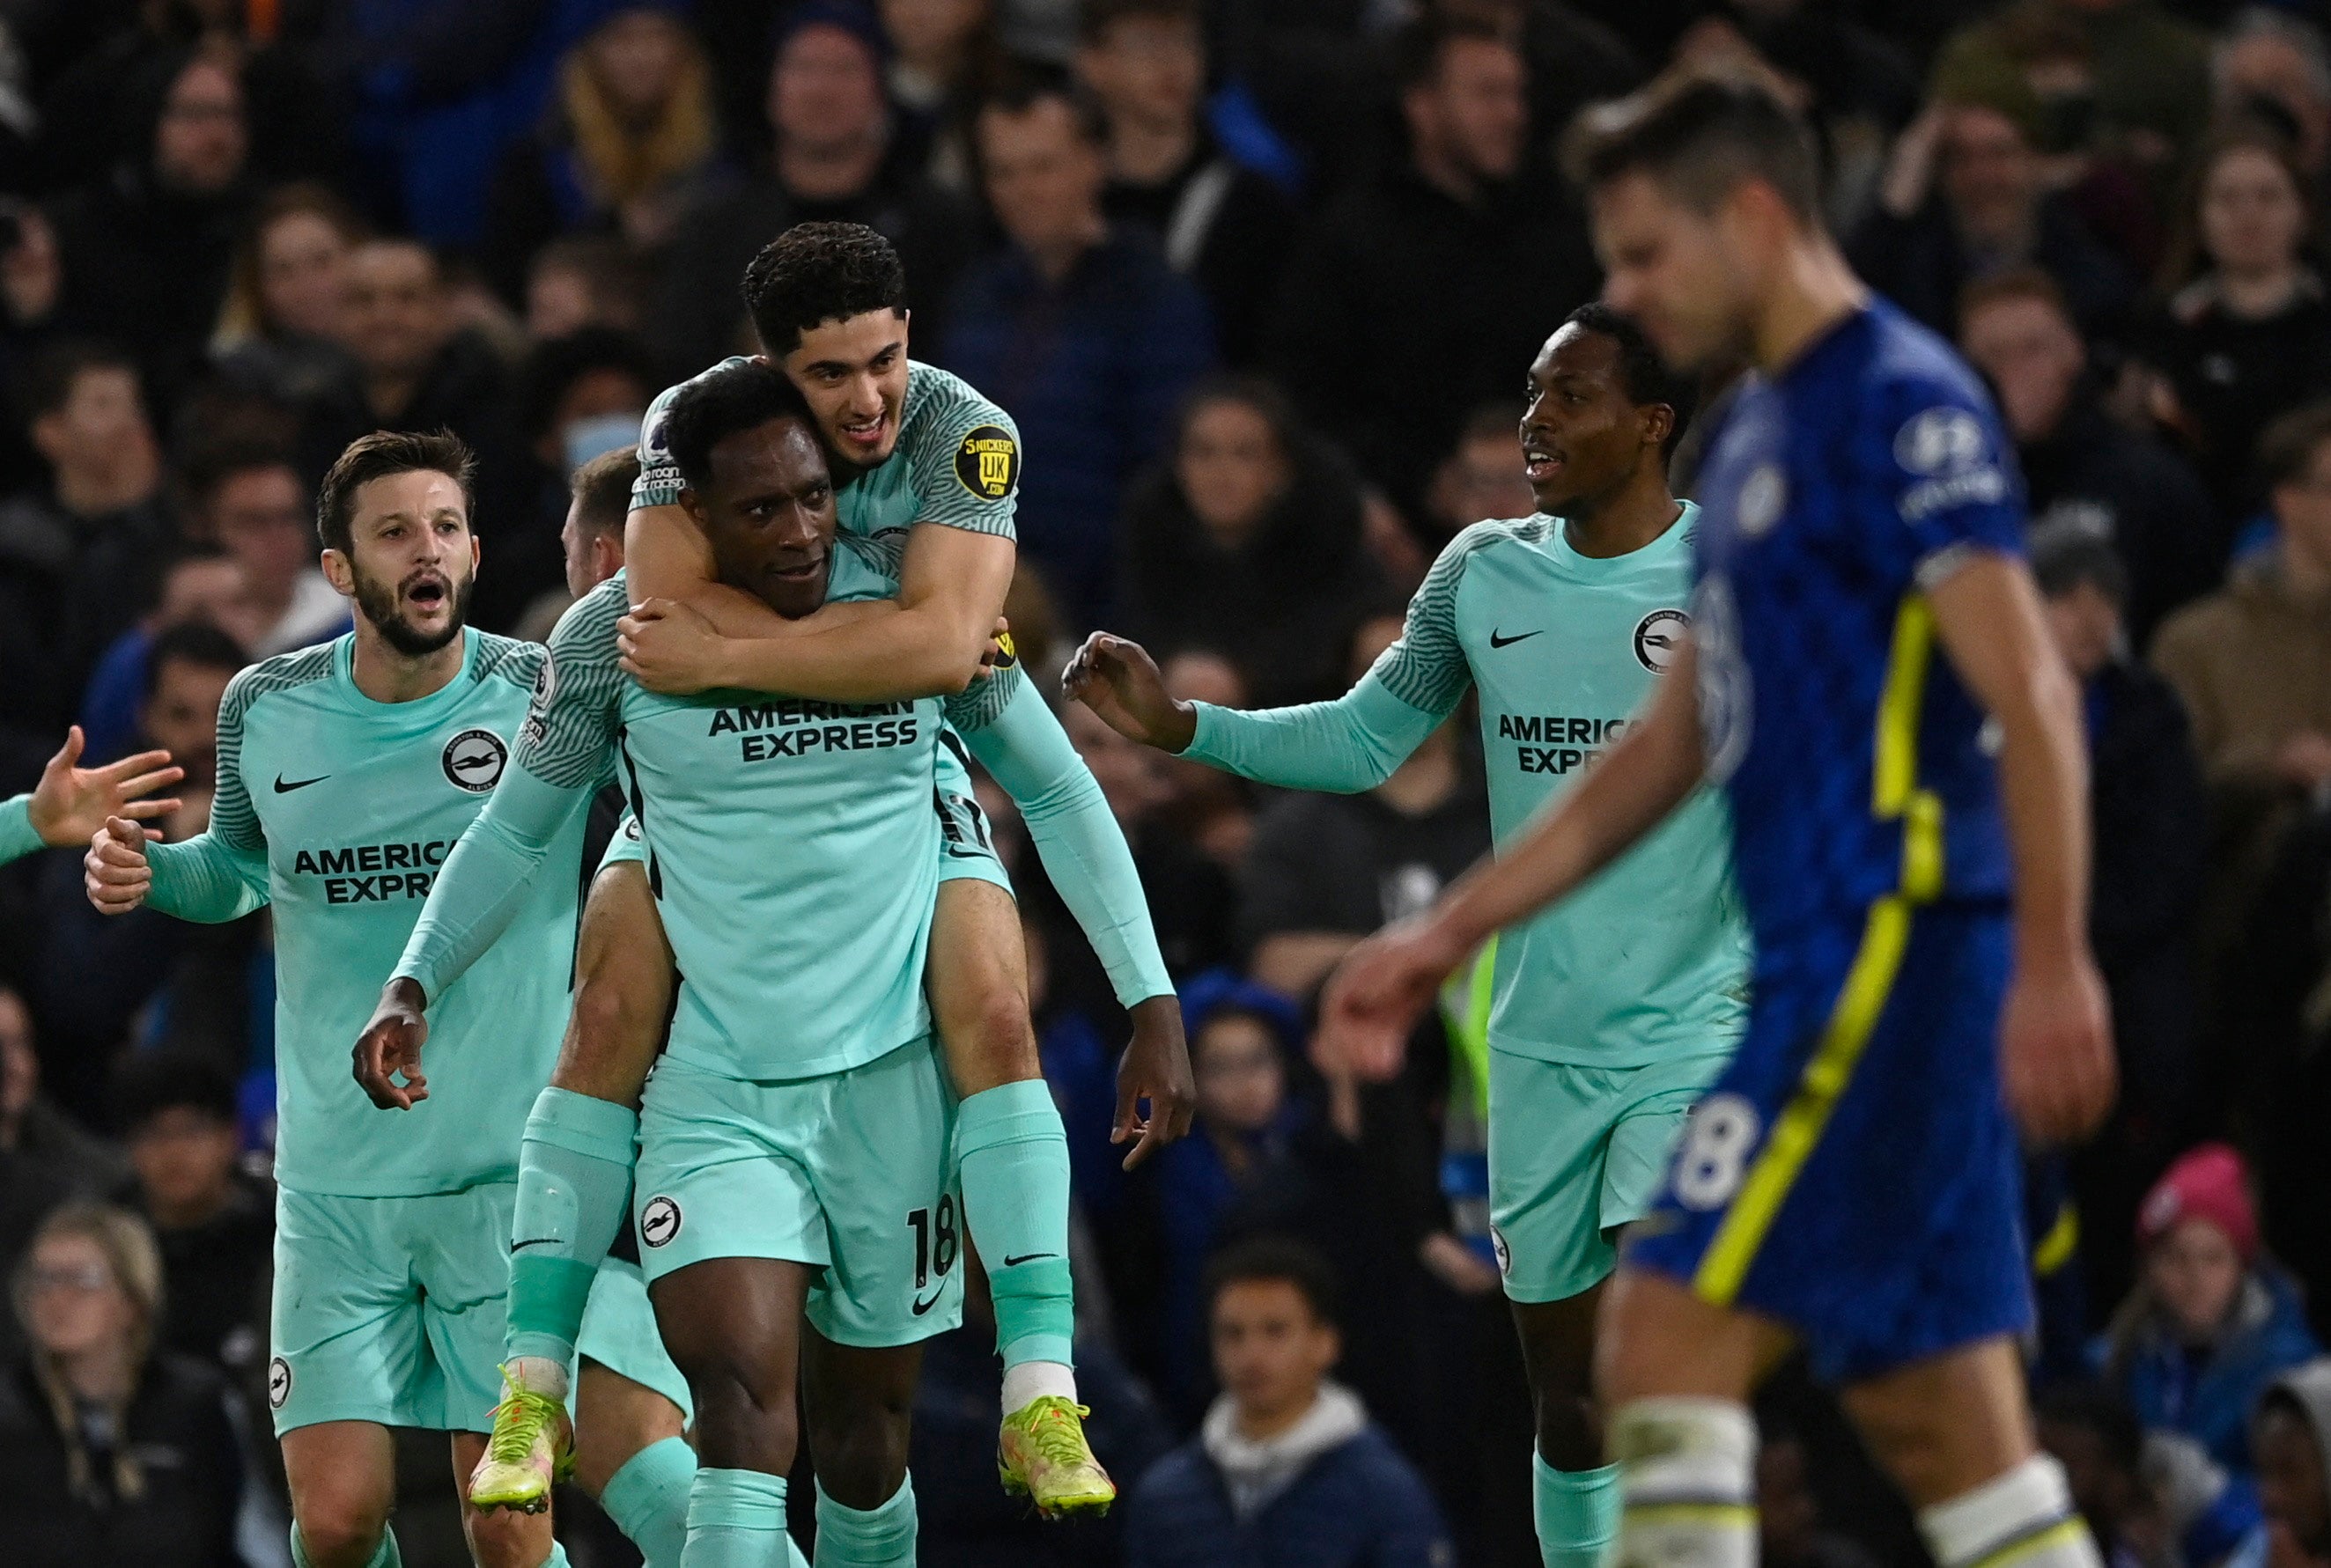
(557, 1558)
(385, 1555)
(884, 1538)
(1014, 1156)
(574, 1181)
(1577, 1511)
(735, 1519)
(647, 1498)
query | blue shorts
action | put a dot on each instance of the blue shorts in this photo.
(1854, 1174)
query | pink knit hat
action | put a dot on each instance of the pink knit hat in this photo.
(2209, 1181)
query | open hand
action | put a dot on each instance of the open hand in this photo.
(1119, 681)
(71, 804)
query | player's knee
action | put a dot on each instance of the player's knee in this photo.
(342, 1532)
(987, 1035)
(862, 1448)
(745, 1415)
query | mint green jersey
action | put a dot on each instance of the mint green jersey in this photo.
(957, 462)
(17, 835)
(793, 845)
(1648, 962)
(337, 811)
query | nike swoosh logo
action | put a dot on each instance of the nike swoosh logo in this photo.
(536, 1241)
(1498, 642)
(298, 784)
(923, 1306)
(1027, 1258)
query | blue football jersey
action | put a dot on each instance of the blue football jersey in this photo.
(1857, 765)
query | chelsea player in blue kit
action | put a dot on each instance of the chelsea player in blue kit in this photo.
(1868, 678)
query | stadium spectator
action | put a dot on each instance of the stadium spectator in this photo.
(2150, 96)
(1789, 1529)
(250, 501)
(2269, 65)
(147, 252)
(583, 281)
(2246, 337)
(1210, 808)
(945, 55)
(80, 555)
(1246, 541)
(2150, 824)
(2094, 1434)
(1962, 200)
(1327, 871)
(416, 367)
(46, 1153)
(2292, 1438)
(2211, 1320)
(1459, 258)
(578, 396)
(1287, 1470)
(202, 583)
(281, 330)
(2266, 744)
(1219, 223)
(1074, 324)
(214, 1224)
(1190, 900)
(2085, 471)
(629, 134)
(1482, 477)
(112, 1451)
(835, 158)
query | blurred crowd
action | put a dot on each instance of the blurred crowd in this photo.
(1259, 280)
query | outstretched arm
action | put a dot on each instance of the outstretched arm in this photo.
(1387, 980)
(2056, 1035)
(72, 802)
(1015, 736)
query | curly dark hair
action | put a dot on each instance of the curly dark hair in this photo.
(813, 273)
(720, 403)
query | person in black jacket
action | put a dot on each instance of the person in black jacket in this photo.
(109, 1450)
(1246, 541)
(1421, 288)
(1288, 1472)
(2084, 469)
(2150, 815)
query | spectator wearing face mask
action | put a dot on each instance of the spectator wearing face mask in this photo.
(1247, 540)
(1286, 1470)
(214, 1223)
(836, 158)
(2084, 470)
(579, 397)
(112, 1451)
(2212, 1321)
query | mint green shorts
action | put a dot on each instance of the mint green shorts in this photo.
(1575, 1153)
(966, 845)
(851, 1172)
(619, 1332)
(389, 1309)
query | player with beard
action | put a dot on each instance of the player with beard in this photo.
(345, 774)
(1608, 1015)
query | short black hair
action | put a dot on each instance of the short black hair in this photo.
(813, 273)
(2066, 555)
(196, 643)
(149, 1082)
(1418, 47)
(1642, 371)
(718, 405)
(554, 367)
(207, 468)
(602, 490)
(383, 454)
(1276, 1259)
(51, 375)
(1025, 84)
(2101, 1409)
(2286, 451)
(1699, 134)
(1096, 17)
